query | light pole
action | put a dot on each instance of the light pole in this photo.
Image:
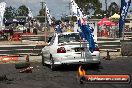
(44, 4)
(69, 7)
(106, 6)
(45, 22)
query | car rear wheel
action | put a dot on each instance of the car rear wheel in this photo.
(43, 61)
(52, 65)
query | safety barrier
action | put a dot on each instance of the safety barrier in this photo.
(20, 49)
(34, 38)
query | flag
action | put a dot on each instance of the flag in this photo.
(49, 17)
(77, 12)
(123, 12)
(86, 31)
(2, 11)
(80, 19)
(74, 7)
(30, 13)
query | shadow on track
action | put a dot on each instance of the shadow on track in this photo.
(64, 68)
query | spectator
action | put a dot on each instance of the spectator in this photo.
(58, 28)
(35, 31)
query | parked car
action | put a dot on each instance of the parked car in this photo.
(68, 48)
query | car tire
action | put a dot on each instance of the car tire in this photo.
(21, 65)
(52, 65)
(43, 61)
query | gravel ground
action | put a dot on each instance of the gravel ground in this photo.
(65, 77)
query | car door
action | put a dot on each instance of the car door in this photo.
(49, 48)
(45, 50)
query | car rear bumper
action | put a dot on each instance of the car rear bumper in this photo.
(79, 61)
(73, 58)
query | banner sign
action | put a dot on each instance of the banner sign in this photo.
(30, 15)
(123, 12)
(49, 17)
(2, 11)
(74, 7)
(86, 31)
(93, 26)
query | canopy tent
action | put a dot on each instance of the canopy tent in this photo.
(106, 22)
(115, 16)
(112, 24)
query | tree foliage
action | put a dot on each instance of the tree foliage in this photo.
(94, 7)
(130, 10)
(22, 11)
(42, 12)
(10, 12)
(113, 8)
(42, 15)
(90, 6)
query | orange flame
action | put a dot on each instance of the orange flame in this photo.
(81, 71)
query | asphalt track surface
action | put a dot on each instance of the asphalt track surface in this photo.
(65, 76)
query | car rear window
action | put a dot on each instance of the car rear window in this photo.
(65, 38)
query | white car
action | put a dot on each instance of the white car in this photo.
(67, 48)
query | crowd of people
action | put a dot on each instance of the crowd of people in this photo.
(64, 27)
(128, 29)
(111, 32)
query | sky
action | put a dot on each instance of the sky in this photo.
(57, 7)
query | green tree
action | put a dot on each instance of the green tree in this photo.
(10, 12)
(90, 6)
(41, 15)
(42, 12)
(22, 11)
(100, 15)
(130, 10)
(113, 8)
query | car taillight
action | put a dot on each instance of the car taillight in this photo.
(61, 50)
(96, 49)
